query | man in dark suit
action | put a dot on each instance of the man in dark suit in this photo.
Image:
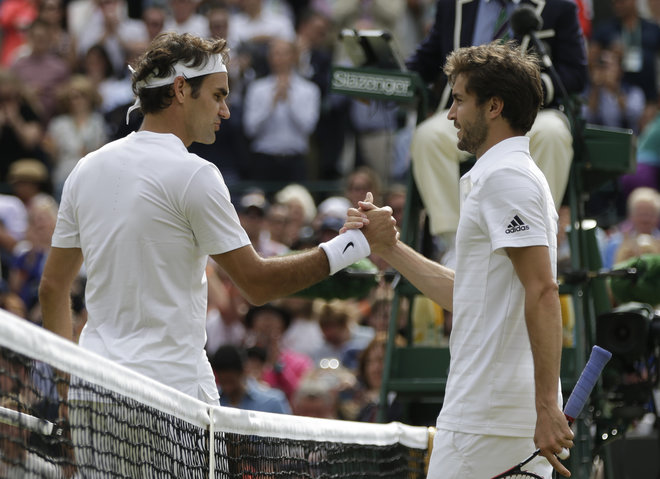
(435, 155)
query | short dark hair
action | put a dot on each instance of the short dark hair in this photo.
(165, 51)
(501, 69)
(228, 357)
(283, 313)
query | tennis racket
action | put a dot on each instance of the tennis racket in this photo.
(33, 424)
(576, 401)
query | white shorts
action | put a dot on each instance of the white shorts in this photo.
(458, 455)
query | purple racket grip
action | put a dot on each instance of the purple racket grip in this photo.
(578, 398)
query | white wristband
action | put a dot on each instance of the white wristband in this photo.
(345, 249)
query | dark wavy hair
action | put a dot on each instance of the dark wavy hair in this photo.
(501, 69)
(164, 52)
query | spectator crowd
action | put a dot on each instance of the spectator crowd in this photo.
(295, 156)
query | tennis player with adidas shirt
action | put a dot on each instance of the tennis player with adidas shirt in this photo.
(144, 215)
(503, 397)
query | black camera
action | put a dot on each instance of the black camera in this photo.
(631, 332)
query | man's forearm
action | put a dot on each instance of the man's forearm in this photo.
(56, 313)
(543, 319)
(432, 279)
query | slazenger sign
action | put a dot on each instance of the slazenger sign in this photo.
(359, 82)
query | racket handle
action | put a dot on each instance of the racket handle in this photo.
(578, 398)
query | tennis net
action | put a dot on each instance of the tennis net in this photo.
(117, 423)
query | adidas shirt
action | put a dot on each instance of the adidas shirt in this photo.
(505, 202)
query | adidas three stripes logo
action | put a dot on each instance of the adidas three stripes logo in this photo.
(516, 225)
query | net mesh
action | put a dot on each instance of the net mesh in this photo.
(116, 423)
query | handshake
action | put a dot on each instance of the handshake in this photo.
(377, 224)
(367, 229)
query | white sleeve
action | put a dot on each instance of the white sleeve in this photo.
(512, 210)
(212, 217)
(67, 232)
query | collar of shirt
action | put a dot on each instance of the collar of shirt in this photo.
(494, 154)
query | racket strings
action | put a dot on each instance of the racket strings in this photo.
(520, 475)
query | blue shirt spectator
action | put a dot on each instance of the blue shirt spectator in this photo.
(259, 397)
(241, 391)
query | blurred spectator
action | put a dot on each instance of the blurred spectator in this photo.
(314, 398)
(184, 18)
(302, 211)
(281, 368)
(303, 334)
(78, 13)
(239, 390)
(40, 70)
(650, 9)
(110, 26)
(13, 223)
(380, 309)
(315, 56)
(78, 130)
(360, 181)
(343, 337)
(642, 223)
(218, 21)
(15, 17)
(414, 24)
(374, 126)
(25, 273)
(368, 14)
(256, 24)
(395, 198)
(610, 101)
(277, 218)
(647, 171)
(28, 178)
(154, 20)
(370, 375)
(114, 89)
(13, 303)
(281, 112)
(326, 392)
(334, 207)
(639, 40)
(226, 309)
(252, 209)
(20, 129)
(314, 49)
(62, 43)
(222, 325)
(230, 151)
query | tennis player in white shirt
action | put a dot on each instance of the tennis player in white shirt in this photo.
(503, 397)
(144, 215)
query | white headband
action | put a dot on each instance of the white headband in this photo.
(213, 65)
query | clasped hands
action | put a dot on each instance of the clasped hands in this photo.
(377, 224)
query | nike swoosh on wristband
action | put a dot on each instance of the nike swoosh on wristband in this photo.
(350, 243)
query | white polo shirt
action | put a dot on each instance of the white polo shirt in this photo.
(506, 202)
(146, 214)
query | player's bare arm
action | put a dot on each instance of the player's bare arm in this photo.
(263, 279)
(432, 279)
(61, 269)
(543, 319)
